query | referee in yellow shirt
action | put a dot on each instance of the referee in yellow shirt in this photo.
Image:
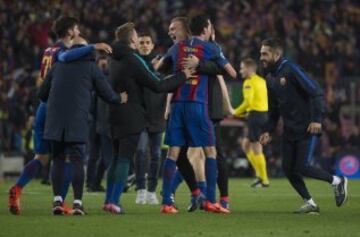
(254, 107)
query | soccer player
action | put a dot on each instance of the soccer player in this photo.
(254, 107)
(66, 28)
(299, 101)
(189, 123)
(219, 105)
(152, 135)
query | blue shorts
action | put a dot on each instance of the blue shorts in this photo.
(189, 125)
(41, 146)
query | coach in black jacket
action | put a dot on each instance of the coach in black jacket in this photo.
(300, 102)
(69, 87)
(130, 73)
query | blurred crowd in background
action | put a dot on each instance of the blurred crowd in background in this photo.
(321, 35)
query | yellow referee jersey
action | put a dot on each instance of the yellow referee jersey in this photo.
(255, 96)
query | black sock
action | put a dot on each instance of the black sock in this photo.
(186, 169)
(223, 178)
(100, 173)
(57, 174)
(78, 176)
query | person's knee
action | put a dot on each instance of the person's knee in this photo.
(301, 169)
(155, 155)
(44, 159)
(287, 170)
(210, 152)
(257, 148)
(245, 145)
(140, 154)
(173, 153)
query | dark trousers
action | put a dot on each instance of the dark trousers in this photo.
(124, 150)
(74, 153)
(297, 156)
(100, 155)
(223, 176)
(154, 141)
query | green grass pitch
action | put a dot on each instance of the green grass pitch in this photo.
(259, 212)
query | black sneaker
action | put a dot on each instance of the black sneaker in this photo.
(78, 210)
(98, 188)
(308, 209)
(58, 208)
(340, 192)
(196, 202)
(45, 182)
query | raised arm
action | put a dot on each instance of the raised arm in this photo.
(76, 53)
(146, 77)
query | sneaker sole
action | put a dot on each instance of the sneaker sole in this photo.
(307, 213)
(58, 211)
(169, 213)
(346, 192)
(152, 203)
(78, 213)
(140, 203)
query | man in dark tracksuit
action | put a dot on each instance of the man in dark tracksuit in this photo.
(130, 73)
(68, 90)
(299, 101)
(151, 136)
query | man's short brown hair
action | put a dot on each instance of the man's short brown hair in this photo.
(249, 62)
(123, 32)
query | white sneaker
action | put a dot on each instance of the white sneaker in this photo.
(151, 198)
(141, 196)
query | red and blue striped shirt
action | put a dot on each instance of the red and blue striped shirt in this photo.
(195, 89)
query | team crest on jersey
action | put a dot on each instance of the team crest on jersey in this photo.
(192, 82)
(283, 81)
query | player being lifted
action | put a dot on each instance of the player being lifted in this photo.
(189, 123)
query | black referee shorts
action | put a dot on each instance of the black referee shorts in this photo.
(256, 122)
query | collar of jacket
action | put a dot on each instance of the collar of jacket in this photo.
(148, 57)
(276, 68)
(120, 50)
